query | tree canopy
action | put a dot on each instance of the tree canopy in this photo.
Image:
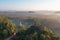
(34, 33)
(7, 27)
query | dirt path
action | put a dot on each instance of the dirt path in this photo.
(9, 38)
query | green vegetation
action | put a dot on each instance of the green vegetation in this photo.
(7, 28)
(34, 32)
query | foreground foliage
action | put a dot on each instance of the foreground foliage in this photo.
(7, 28)
(35, 33)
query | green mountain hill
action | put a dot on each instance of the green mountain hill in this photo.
(36, 33)
(8, 30)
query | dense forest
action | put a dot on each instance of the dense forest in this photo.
(33, 32)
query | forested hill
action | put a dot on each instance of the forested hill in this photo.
(34, 32)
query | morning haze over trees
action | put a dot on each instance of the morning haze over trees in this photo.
(34, 31)
(29, 20)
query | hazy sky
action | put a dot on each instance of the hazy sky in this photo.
(29, 4)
